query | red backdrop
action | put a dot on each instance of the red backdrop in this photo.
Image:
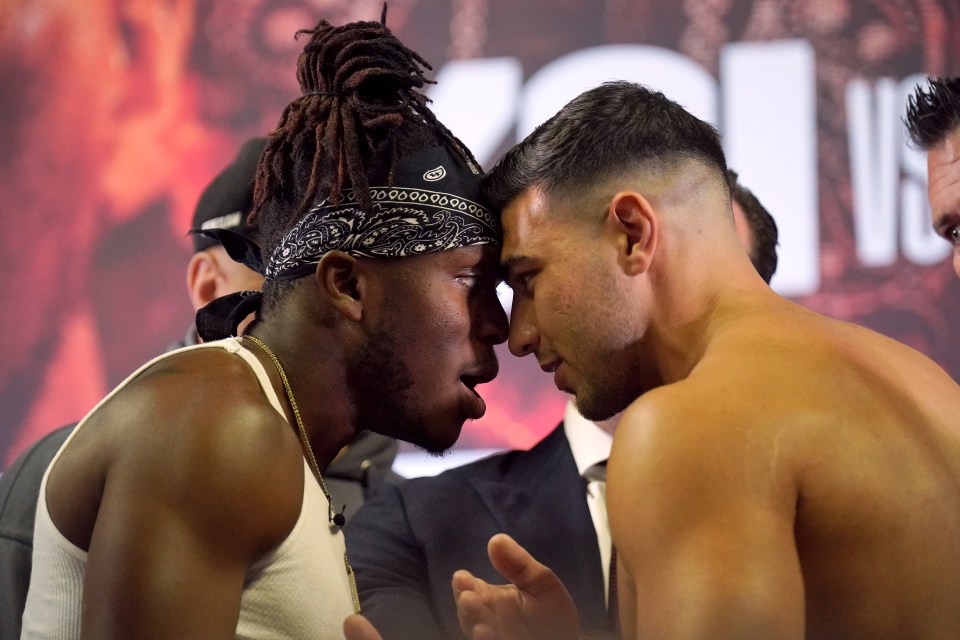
(114, 114)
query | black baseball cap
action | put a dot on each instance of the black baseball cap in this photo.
(226, 202)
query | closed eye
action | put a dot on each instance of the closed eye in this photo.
(481, 278)
(520, 282)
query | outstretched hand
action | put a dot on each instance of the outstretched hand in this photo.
(534, 606)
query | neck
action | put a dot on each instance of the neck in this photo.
(696, 297)
(322, 408)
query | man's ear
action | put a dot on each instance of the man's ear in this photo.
(202, 274)
(637, 226)
(341, 282)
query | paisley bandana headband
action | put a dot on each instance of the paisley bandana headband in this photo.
(431, 205)
(404, 221)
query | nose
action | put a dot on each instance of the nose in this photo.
(492, 326)
(956, 261)
(524, 335)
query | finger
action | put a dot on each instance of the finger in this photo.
(483, 632)
(462, 580)
(516, 564)
(356, 627)
(495, 612)
(471, 611)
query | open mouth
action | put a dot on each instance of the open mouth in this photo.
(477, 406)
(471, 382)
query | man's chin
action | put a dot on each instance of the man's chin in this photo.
(436, 442)
(599, 409)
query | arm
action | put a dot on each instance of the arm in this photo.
(391, 569)
(188, 505)
(702, 515)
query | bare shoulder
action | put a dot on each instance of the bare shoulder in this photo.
(206, 412)
(723, 437)
(797, 404)
(194, 436)
(732, 405)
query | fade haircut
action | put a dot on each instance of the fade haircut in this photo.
(933, 113)
(615, 127)
(763, 227)
(362, 110)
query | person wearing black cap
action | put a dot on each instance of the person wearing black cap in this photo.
(224, 204)
(191, 501)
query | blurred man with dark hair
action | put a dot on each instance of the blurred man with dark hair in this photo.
(933, 122)
(756, 228)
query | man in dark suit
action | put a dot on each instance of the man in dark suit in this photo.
(408, 539)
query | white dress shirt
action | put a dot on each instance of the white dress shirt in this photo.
(591, 445)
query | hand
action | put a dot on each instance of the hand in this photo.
(356, 627)
(535, 606)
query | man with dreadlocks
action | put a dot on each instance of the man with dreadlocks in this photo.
(933, 122)
(190, 502)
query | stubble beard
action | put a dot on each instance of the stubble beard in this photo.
(610, 377)
(380, 388)
(378, 384)
(601, 404)
(610, 387)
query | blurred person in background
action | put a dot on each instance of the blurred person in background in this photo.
(933, 123)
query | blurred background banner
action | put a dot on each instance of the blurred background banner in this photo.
(114, 114)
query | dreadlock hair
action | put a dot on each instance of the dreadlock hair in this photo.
(763, 227)
(612, 128)
(933, 113)
(361, 110)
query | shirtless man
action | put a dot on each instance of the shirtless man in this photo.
(777, 474)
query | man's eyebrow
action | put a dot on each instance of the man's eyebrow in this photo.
(945, 220)
(507, 266)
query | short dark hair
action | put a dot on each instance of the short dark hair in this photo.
(933, 113)
(600, 133)
(763, 227)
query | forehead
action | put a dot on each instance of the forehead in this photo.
(469, 256)
(525, 222)
(943, 163)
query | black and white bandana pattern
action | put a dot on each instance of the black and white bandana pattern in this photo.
(404, 221)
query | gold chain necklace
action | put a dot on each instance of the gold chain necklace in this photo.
(333, 517)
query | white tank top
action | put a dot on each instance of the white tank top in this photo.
(298, 590)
